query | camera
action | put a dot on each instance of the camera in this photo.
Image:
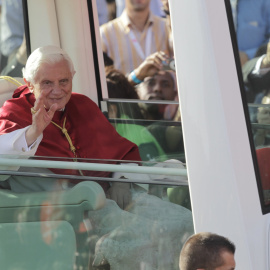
(168, 64)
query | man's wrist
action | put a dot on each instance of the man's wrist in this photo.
(31, 136)
(134, 78)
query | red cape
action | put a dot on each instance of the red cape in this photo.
(91, 133)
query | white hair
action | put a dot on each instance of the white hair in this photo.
(48, 54)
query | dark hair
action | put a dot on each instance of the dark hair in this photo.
(261, 50)
(203, 250)
(119, 87)
(107, 60)
(122, 88)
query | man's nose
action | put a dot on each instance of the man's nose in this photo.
(157, 88)
(56, 88)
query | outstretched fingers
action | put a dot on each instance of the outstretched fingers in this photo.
(39, 103)
(52, 110)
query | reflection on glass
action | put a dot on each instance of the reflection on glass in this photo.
(157, 140)
(252, 28)
(54, 217)
(252, 33)
(262, 127)
(77, 225)
(261, 134)
(153, 125)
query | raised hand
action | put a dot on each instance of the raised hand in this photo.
(41, 118)
(150, 66)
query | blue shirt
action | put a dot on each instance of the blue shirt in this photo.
(252, 24)
(103, 13)
(12, 26)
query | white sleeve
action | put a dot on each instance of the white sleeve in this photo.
(14, 143)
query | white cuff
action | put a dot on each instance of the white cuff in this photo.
(21, 145)
(14, 143)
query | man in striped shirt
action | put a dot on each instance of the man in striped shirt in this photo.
(134, 36)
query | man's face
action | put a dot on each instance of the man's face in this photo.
(159, 87)
(55, 82)
(137, 5)
(229, 262)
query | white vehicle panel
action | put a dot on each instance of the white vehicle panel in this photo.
(222, 181)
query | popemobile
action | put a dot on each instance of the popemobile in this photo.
(217, 182)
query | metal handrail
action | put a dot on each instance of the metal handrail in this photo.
(91, 166)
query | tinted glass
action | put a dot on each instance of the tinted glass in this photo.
(13, 44)
(74, 224)
(250, 30)
(143, 123)
(64, 213)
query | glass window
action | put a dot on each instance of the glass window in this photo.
(73, 223)
(59, 212)
(250, 30)
(158, 140)
(13, 42)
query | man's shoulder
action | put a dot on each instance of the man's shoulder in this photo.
(20, 91)
(83, 101)
(111, 24)
(158, 20)
(80, 97)
(20, 97)
(19, 104)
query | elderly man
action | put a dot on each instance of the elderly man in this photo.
(45, 118)
(207, 251)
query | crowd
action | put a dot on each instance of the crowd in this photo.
(139, 42)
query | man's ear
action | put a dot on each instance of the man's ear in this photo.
(29, 85)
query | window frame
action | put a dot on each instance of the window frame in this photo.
(265, 208)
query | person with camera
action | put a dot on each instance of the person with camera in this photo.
(133, 37)
(149, 67)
